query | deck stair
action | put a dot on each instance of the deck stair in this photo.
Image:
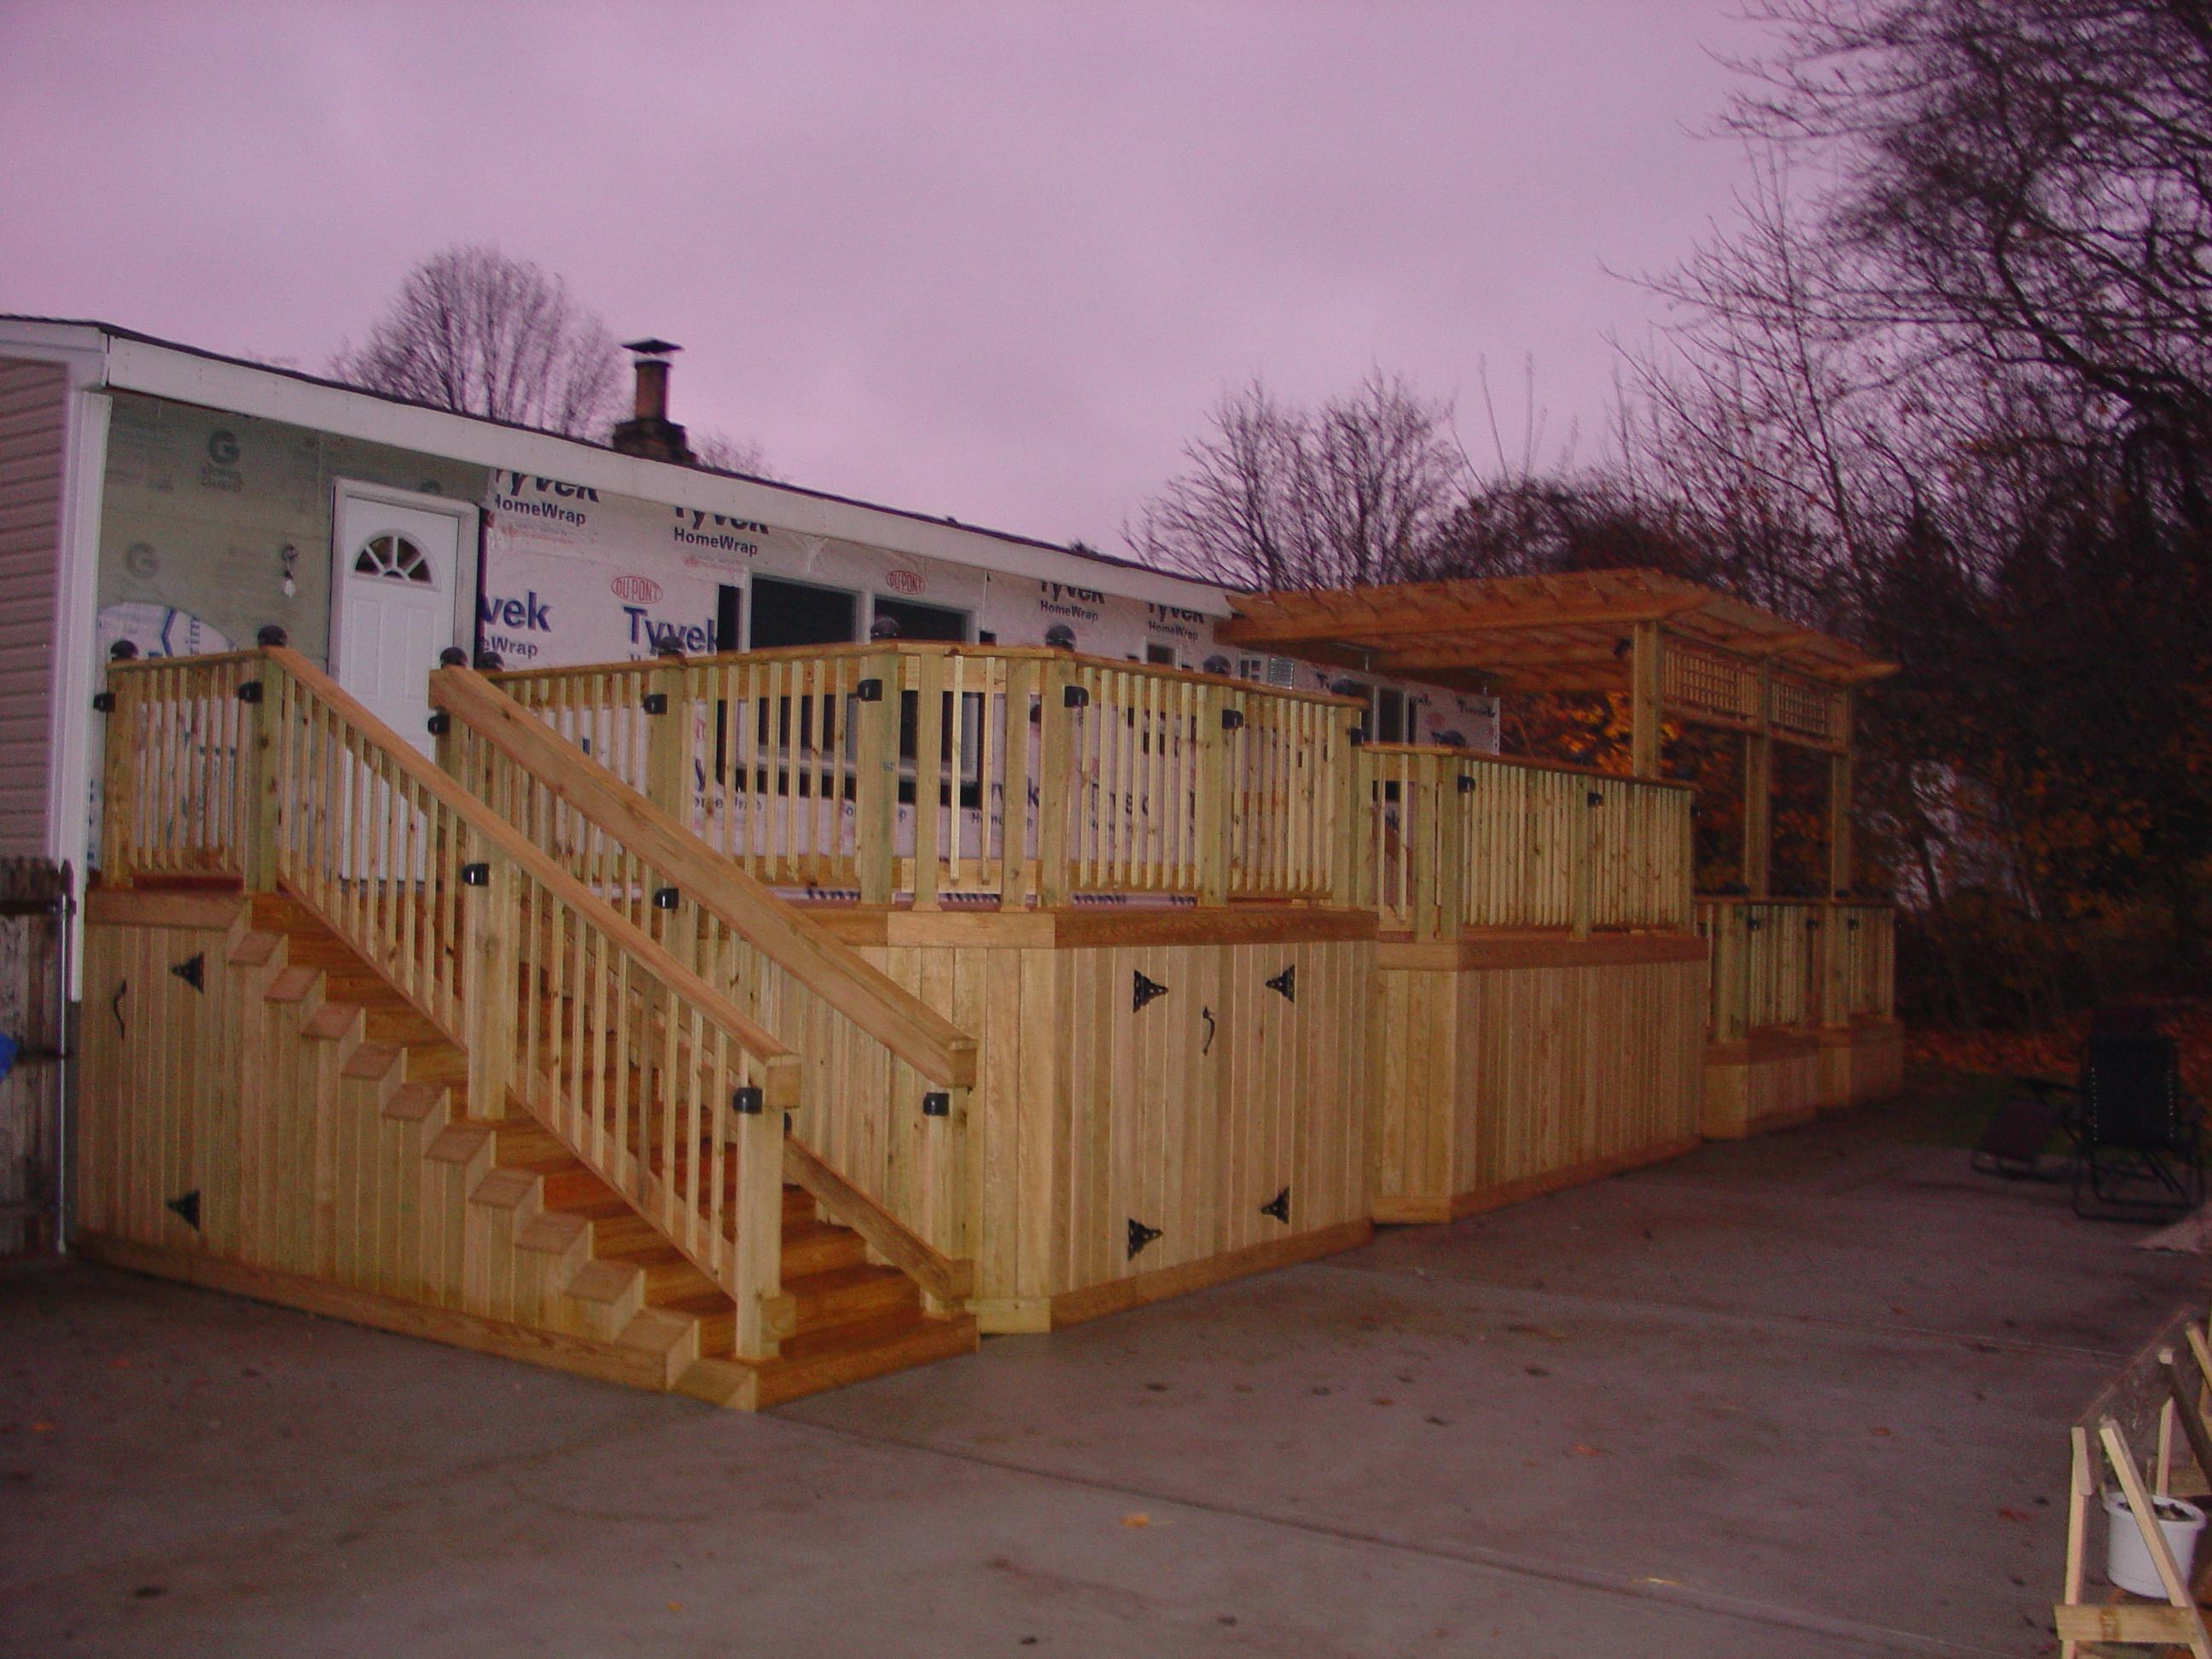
(844, 1318)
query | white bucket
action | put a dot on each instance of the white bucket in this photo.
(2127, 1558)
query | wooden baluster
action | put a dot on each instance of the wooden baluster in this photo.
(1056, 788)
(875, 781)
(928, 769)
(1016, 886)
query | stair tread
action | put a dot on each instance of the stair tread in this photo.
(255, 950)
(292, 984)
(332, 1021)
(856, 1353)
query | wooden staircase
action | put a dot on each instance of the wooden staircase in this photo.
(614, 1277)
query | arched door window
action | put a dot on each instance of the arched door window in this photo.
(393, 556)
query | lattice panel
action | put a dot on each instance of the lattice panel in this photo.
(1807, 710)
(1718, 685)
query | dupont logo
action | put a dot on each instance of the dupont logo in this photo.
(638, 589)
(903, 581)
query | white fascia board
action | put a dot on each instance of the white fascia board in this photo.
(240, 388)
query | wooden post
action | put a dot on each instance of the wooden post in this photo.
(757, 1213)
(1839, 808)
(258, 788)
(1211, 784)
(875, 781)
(1056, 790)
(1727, 969)
(119, 782)
(493, 924)
(1644, 678)
(1358, 820)
(668, 743)
(931, 779)
(1452, 806)
(1016, 883)
(1758, 794)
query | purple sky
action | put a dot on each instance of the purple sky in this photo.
(989, 261)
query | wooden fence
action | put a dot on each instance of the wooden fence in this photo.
(1447, 840)
(947, 771)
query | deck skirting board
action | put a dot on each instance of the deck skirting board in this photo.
(608, 1362)
(1400, 1209)
(1118, 1295)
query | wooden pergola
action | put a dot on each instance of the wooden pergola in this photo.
(1678, 651)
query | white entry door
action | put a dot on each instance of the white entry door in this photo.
(393, 602)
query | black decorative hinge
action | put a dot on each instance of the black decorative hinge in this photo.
(937, 1102)
(1074, 697)
(656, 703)
(440, 724)
(1145, 990)
(193, 971)
(249, 691)
(869, 691)
(1286, 982)
(1232, 719)
(186, 1208)
(664, 898)
(1279, 1206)
(1207, 1047)
(103, 703)
(1139, 1236)
(745, 1102)
(1593, 799)
(115, 1006)
(475, 875)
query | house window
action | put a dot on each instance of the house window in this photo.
(393, 554)
(922, 622)
(799, 613)
(1390, 716)
(1160, 656)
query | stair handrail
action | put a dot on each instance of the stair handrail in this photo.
(288, 835)
(917, 1033)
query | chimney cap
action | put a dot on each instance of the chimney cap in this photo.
(651, 346)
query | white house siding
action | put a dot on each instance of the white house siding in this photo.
(33, 414)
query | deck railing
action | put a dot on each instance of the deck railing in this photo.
(1796, 963)
(885, 1078)
(1451, 839)
(939, 772)
(657, 1082)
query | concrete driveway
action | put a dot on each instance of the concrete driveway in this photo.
(1804, 1396)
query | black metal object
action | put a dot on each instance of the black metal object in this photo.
(249, 691)
(1359, 735)
(656, 703)
(746, 1101)
(1594, 799)
(193, 971)
(1232, 719)
(870, 691)
(475, 875)
(1279, 1206)
(1466, 783)
(115, 1007)
(440, 723)
(1207, 1047)
(1139, 1236)
(664, 898)
(186, 1208)
(937, 1102)
(2139, 1136)
(1145, 990)
(1286, 982)
(1074, 697)
(103, 703)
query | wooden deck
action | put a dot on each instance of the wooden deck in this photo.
(862, 1000)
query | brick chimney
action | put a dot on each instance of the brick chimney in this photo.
(649, 432)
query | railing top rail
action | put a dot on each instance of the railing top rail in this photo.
(1798, 903)
(529, 858)
(208, 659)
(1446, 752)
(929, 647)
(914, 1030)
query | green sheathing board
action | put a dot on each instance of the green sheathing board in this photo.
(200, 505)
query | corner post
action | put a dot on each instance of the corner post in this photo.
(668, 742)
(259, 784)
(875, 780)
(756, 1210)
(1056, 785)
(1212, 787)
(1452, 808)
(118, 780)
(494, 927)
(1646, 680)
(1582, 862)
(1759, 793)
(1355, 812)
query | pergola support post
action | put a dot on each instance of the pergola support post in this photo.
(1759, 794)
(1645, 681)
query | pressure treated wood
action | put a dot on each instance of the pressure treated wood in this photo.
(1524, 1070)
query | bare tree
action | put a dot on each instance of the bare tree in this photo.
(1276, 496)
(723, 453)
(474, 330)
